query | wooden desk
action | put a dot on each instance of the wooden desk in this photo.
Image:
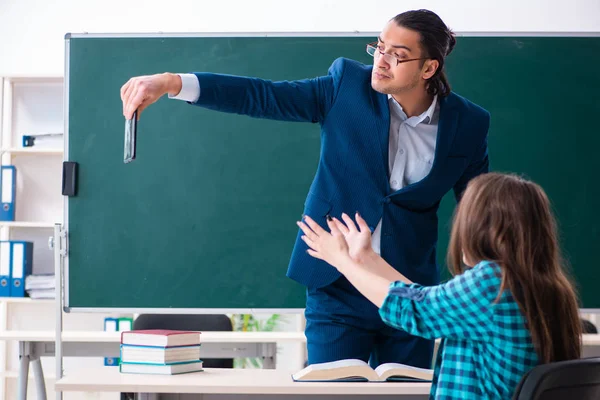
(36, 344)
(235, 384)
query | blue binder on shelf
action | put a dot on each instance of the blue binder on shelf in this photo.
(21, 265)
(111, 325)
(8, 186)
(5, 282)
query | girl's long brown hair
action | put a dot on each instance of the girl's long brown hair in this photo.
(508, 220)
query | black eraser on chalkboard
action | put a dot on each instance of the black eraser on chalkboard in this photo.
(69, 178)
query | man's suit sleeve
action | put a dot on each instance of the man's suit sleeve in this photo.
(480, 163)
(307, 100)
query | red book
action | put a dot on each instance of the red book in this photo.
(160, 338)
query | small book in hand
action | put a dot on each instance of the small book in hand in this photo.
(358, 370)
(160, 338)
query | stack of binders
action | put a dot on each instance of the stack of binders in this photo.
(16, 256)
(16, 263)
(159, 351)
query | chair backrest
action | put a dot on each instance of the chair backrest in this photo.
(574, 379)
(189, 322)
(588, 327)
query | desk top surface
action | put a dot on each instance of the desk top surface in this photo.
(205, 337)
(225, 381)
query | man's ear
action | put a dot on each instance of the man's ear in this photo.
(429, 68)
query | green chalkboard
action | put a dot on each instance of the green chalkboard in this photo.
(204, 217)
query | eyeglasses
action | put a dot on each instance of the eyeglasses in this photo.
(373, 50)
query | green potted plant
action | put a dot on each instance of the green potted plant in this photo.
(249, 323)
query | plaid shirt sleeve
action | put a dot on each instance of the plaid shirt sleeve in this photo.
(459, 308)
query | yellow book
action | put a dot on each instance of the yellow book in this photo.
(358, 370)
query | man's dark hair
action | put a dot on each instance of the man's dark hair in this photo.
(437, 41)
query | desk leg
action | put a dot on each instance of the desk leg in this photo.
(269, 355)
(24, 352)
(39, 378)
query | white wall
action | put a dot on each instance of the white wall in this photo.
(32, 31)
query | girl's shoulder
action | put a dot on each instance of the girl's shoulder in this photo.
(487, 268)
(485, 276)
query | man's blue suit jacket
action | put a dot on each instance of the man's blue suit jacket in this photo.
(353, 173)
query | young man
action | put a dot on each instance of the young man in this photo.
(397, 140)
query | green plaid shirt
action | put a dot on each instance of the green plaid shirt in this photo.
(486, 347)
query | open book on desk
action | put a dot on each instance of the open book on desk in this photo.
(358, 370)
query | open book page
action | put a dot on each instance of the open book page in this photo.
(389, 370)
(337, 370)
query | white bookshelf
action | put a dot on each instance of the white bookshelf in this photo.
(30, 105)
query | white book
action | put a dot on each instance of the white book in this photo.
(358, 370)
(161, 369)
(159, 355)
(160, 338)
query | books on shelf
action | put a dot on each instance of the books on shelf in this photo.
(160, 352)
(358, 370)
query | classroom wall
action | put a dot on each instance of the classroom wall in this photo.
(32, 31)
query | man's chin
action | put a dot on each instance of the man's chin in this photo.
(378, 87)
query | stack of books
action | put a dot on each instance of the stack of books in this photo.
(160, 351)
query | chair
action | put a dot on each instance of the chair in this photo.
(588, 327)
(574, 379)
(189, 322)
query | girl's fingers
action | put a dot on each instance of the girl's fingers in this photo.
(307, 231)
(309, 242)
(314, 226)
(333, 227)
(341, 227)
(349, 223)
(362, 224)
(314, 254)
